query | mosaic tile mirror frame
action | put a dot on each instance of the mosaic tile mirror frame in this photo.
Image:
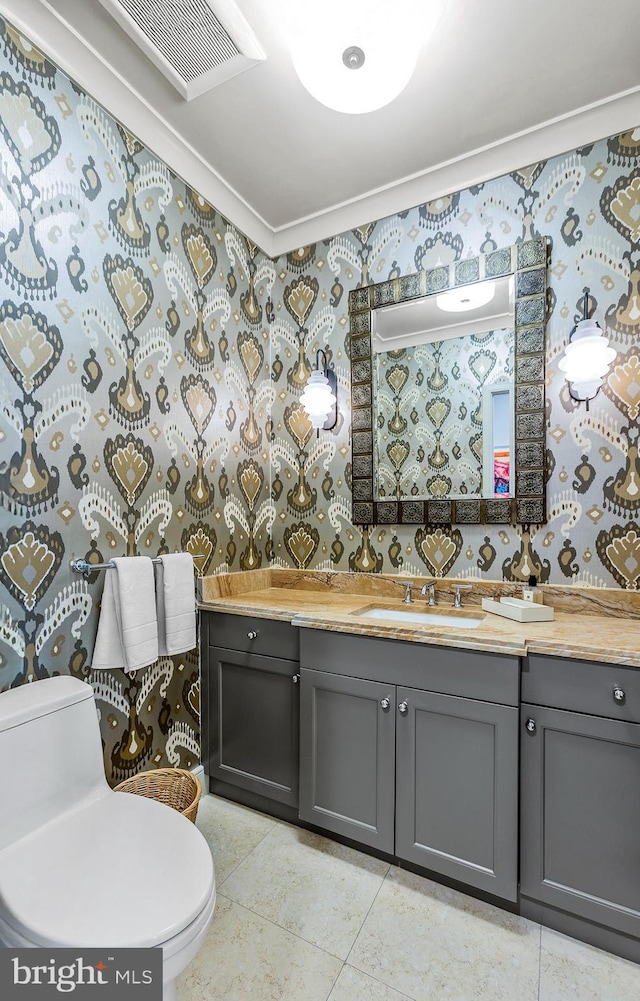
(527, 262)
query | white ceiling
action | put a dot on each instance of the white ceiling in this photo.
(501, 84)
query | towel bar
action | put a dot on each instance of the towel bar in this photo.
(81, 566)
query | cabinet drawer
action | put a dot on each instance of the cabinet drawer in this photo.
(582, 686)
(471, 674)
(267, 637)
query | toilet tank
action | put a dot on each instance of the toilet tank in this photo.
(50, 751)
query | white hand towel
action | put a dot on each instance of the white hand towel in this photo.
(176, 603)
(128, 628)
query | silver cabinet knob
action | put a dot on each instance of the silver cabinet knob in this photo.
(619, 695)
(403, 708)
(385, 703)
(252, 634)
(531, 726)
(296, 679)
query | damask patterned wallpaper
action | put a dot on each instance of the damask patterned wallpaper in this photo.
(135, 395)
(430, 414)
(151, 365)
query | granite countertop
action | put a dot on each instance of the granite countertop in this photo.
(589, 624)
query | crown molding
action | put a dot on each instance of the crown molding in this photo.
(44, 26)
(84, 65)
(560, 135)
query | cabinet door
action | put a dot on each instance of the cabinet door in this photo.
(580, 815)
(253, 723)
(457, 789)
(347, 757)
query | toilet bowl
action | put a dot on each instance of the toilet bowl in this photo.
(80, 865)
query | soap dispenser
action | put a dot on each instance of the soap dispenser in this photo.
(532, 592)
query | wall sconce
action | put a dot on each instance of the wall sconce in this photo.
(320, 396)
(586, 358)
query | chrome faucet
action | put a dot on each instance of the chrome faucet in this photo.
(429, 588)
(456, 589)
(408, 600)
(407, 585)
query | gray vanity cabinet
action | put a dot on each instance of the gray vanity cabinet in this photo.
(457, 788)
(347, 757)
(580, 781)
(251, 716)
(430, 777)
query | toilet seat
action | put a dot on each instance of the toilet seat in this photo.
(176, 952)
(120, 871)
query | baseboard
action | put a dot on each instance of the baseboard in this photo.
(198, 771)
(255, 801)
(586, 931)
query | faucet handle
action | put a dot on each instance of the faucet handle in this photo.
(407, 585)
(429, 587)
(407, 600)
(456, 589)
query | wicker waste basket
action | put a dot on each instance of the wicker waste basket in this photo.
(175, 787)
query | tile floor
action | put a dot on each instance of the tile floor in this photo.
(302, 918)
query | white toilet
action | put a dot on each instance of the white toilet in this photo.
(81, 865)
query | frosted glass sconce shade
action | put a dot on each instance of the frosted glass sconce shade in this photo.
(586, 358)
(319, 398)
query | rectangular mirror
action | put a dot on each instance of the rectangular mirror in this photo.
(447, 387)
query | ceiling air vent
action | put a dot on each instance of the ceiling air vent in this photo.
(197, 44)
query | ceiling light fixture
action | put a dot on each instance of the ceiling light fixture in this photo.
(586, 357)
(461, 300)
(320, 396)
(359, 56)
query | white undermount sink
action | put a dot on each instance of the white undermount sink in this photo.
(460, 621)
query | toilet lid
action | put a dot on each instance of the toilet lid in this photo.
(121, 871)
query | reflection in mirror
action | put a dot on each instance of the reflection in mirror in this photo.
(466, 309)
(449, 428)
(442, 424)
(497, 440)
